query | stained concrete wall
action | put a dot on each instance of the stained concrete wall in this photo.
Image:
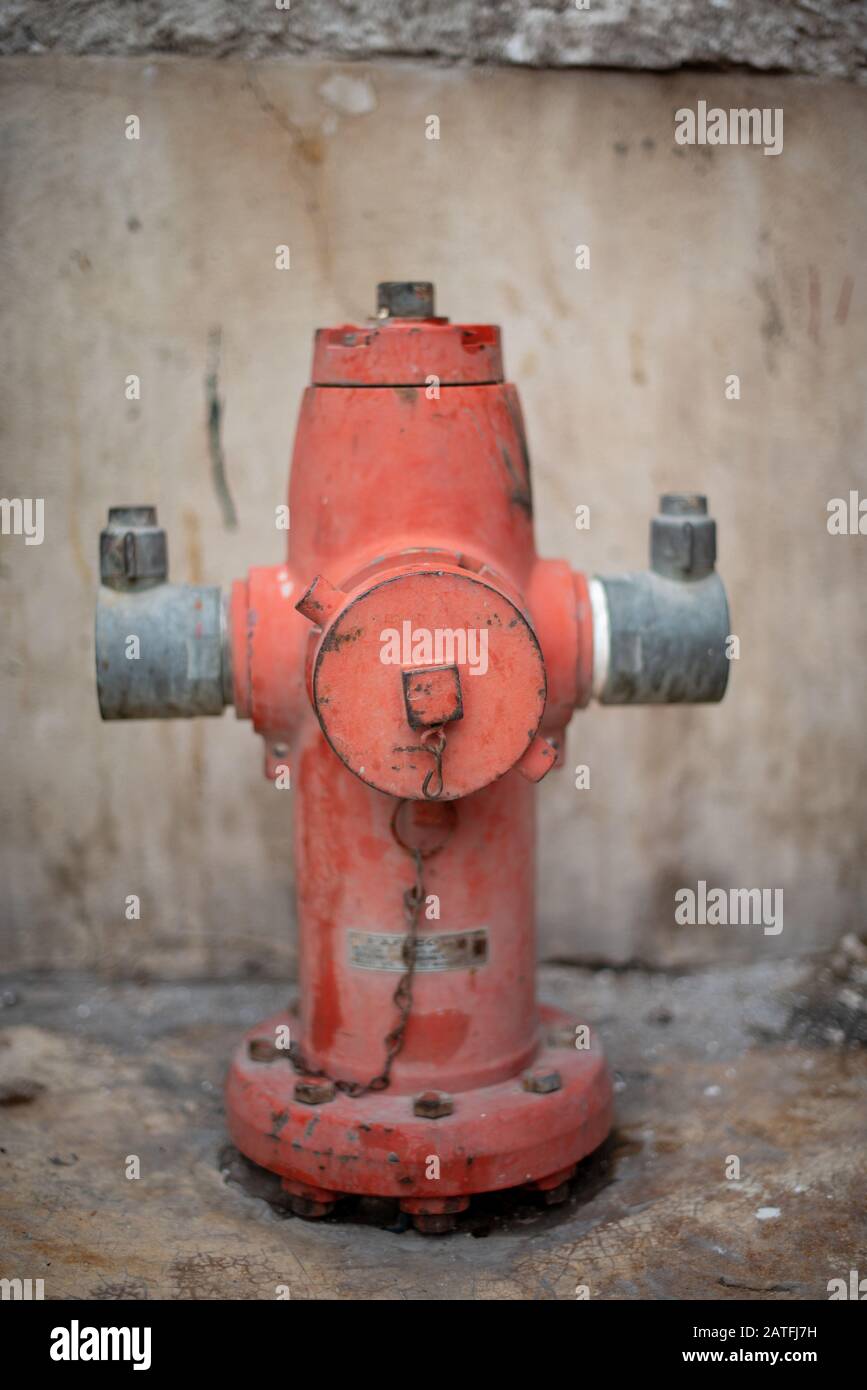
(124, 257)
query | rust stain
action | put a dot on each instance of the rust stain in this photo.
(844, 303)
(214, 420)
(815, 300)
(278, 1120)
(636, 362)
(322, 891)
(520, 495)
(335, 640)
(192, 537)
(771, 327)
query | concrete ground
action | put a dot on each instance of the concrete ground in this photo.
(764, 1064)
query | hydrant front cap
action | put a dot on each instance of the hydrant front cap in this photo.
(423, 648)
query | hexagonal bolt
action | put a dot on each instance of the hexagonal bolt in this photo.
(541, 1081)
(554, 1188)
(434, 1216)
(264, 1050)
(309, 1210)
(433, 1105)
(440, 1225)
(314, 1090)
(555, 1196)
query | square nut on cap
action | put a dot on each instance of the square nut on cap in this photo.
(432, 695)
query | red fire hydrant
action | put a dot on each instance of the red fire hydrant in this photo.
(412, 668)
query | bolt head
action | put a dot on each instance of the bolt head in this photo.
(555, 1196)
(439, 1225)
(314, 1090)
(541, 1081)
(309, 1210)
(433, 1105)
(263, 1050)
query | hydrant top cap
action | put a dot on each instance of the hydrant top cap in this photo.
(407, 346)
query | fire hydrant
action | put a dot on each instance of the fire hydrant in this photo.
(412, 667)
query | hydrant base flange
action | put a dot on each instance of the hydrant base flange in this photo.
(516, 1132)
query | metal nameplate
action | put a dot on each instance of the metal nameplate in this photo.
(374, 950)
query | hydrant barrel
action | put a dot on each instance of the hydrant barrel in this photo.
(473, 1020)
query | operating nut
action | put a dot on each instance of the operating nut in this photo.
(405, 299)
(314, 1090)
(683, 537)
(433, 1105)
(132, 549)
(541, 1081)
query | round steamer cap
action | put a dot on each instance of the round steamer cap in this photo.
(425, 649)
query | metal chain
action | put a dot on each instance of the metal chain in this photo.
(413, 901)
(433, 741)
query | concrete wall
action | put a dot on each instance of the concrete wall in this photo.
(124, 257)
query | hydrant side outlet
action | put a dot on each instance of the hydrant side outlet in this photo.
(411, 668)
